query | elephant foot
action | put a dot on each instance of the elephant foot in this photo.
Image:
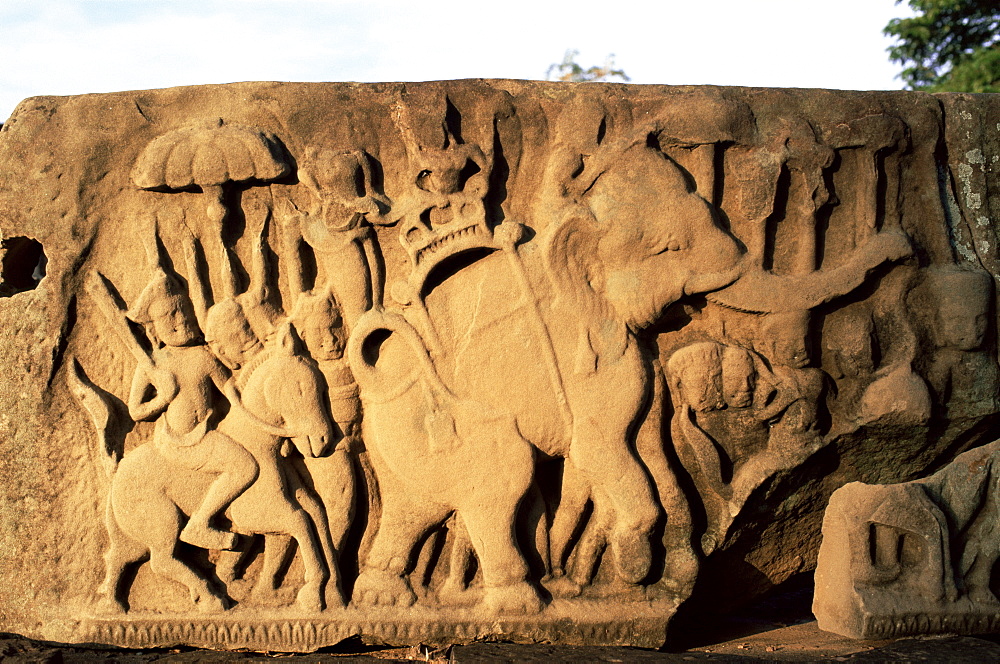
(633, 556)
(378, 588)
(310, 597)
(519, 598)
(562, 587)
(983, 595)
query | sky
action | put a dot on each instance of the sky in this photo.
(64, 47)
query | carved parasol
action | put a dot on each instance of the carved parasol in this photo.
(208, 157)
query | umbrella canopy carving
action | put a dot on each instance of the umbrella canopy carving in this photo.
(210, 156)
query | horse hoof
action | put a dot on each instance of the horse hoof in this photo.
(206, 537)
(518, 598)
(377, 588)
(210, 604)
(108, 606)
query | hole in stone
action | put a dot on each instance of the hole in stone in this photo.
(23, 266)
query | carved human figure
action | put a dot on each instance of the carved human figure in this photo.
(784, 340)
(318, 317)
(963, 373)
(336, 224)
(738, 418)
(849, 337)
(718, 395)
(231, 331)
(176, 391)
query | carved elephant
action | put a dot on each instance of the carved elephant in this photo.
(532, 350)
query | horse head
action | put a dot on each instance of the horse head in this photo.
(288, 391)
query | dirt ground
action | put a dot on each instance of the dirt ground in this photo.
(779, 628)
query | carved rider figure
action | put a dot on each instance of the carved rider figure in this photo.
(175, 389)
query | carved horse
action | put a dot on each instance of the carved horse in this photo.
(149, 496)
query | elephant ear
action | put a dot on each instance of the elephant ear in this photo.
(573, 262)
(577, 272)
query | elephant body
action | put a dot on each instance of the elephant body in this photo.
(531, 350)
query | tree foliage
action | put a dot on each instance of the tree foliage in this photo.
(949, 46)
(569, 70)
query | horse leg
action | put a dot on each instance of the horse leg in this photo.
(160, 534)
(333, 483)
(122, 552)
(307, 500)
(310, 597)
(228, 564)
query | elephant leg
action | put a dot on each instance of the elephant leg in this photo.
(977, 580)
(600, 450)
(402, 524)
(491, 531)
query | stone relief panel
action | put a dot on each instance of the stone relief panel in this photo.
(442, 361)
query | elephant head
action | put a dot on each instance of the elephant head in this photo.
(637, 238)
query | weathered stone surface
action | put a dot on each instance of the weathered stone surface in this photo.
(913, 558)
(287, 363)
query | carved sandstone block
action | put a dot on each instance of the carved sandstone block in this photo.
(913, 558)
(286, 363)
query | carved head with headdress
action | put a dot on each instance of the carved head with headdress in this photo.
(322, 327)
(229, 334)
(164, 304)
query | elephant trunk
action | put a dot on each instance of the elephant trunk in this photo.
(728, 266)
